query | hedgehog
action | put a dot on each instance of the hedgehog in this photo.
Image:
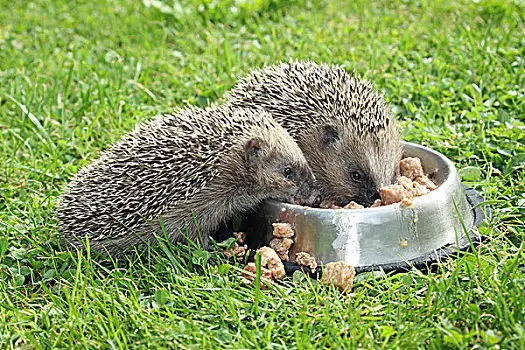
(343, 126)
(183, 175)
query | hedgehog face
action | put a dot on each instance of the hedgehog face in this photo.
(371, 161)
(281, 171)
(349, 167)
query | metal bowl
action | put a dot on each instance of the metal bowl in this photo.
(390, 236)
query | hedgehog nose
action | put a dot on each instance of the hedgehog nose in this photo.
(369, 199)
(313, 200)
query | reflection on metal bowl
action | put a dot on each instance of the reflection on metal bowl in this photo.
(379, 237)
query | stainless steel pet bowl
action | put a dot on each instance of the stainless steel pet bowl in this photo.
(389, 237)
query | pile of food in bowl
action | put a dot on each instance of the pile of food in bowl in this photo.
(412, 182)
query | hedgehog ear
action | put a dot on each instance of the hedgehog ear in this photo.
(329, 135)
(253, 151)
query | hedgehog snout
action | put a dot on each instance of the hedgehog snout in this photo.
(308, 194)
(369, 198)
(315, 200)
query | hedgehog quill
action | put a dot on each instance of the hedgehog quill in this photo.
(203, 165)
(343, 126)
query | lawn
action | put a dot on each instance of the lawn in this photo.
(76, 75)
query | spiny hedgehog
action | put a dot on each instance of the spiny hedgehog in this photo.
(344, 128)
(197, 165)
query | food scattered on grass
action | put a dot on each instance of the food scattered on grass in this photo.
(250, 270)
(272, 268)
(305, 259)
(238, 249)
(281, 247)
(340, 274)
(281, 243)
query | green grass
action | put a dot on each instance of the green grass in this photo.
(76, 75)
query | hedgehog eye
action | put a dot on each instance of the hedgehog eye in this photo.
(288, 172)
(356, 176)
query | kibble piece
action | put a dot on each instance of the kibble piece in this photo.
(271, 266)
(240, 236)
(419, 190)
(405, 182)
(376, 204)
(239, 251)
(270, 259)
(411, 167)
(251, 271)
(284, 256)
(281, 244)
(282, 230)
(353, 205)
(425, 181)
(305, 259)
(228, 253)
(393, 193)
(415, 188)
(281, 247)
(340, 274)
